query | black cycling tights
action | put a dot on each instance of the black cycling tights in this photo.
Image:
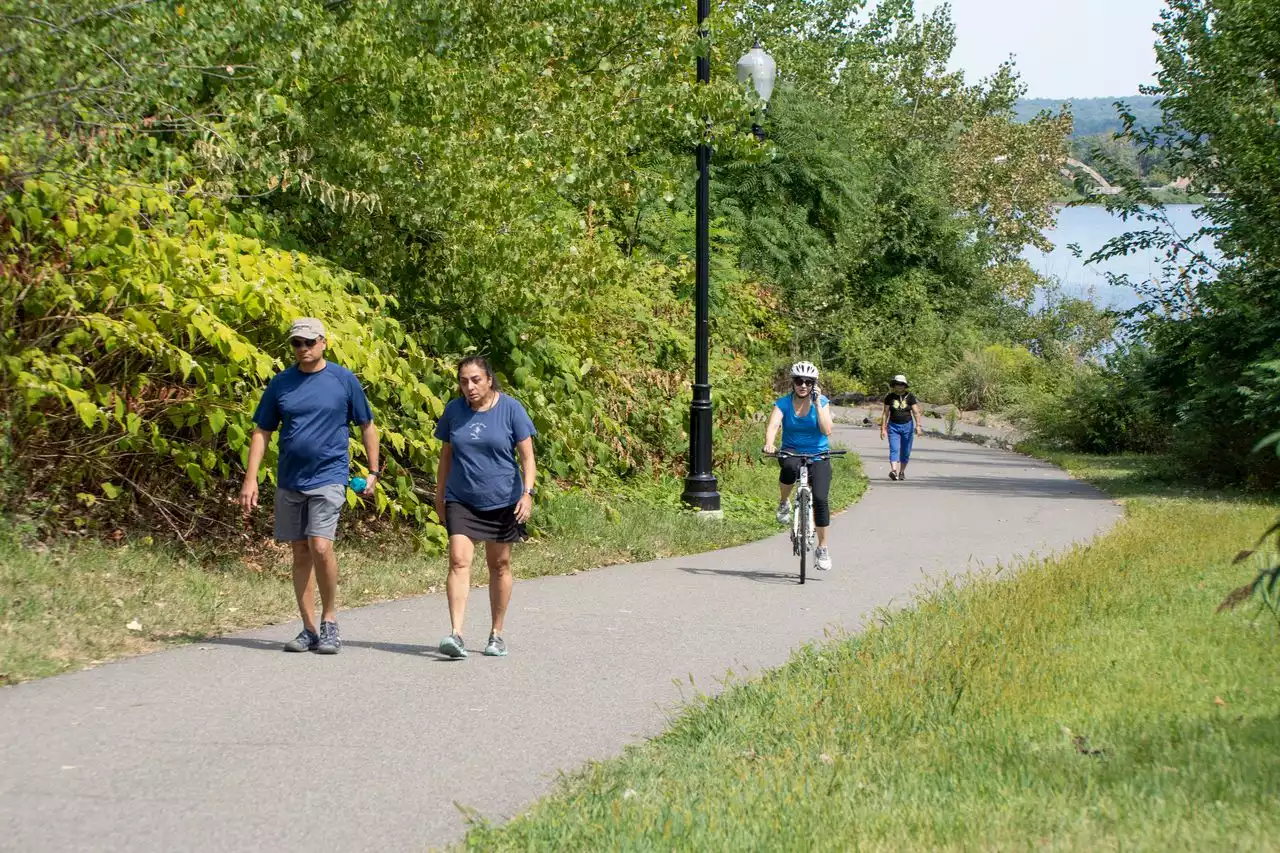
(819, 481)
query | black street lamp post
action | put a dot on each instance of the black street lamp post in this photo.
(701, 491)
(700, 488)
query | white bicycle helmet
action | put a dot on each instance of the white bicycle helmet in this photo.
(804, 370)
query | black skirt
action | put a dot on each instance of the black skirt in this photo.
(483, 525)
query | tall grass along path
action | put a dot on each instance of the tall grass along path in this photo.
(231, 744)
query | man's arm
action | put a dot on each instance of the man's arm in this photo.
(257, 449)
(369, 437)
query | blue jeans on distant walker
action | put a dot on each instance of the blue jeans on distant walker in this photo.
(901, 437)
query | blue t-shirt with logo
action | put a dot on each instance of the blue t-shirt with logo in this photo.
(312, 412)
(801, 435)
(485, 473)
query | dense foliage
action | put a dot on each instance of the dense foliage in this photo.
(513, 179)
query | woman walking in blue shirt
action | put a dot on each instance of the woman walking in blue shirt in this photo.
(482, 494)
(804, 416)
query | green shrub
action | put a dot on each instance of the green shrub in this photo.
(1102, 410)
(994, 377)
(139, 330)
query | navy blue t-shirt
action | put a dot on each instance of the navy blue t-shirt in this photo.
(312, 411)
(802, 435)
(485, 473)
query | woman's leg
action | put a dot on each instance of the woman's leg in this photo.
(498, 556)
(895, 448)
(788, 473)
(820, 482)
(908, 439)
(461, 551)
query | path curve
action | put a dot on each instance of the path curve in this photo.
(201, 748)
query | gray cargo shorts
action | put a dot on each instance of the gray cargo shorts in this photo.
(311, 512)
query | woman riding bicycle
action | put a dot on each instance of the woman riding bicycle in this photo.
(805, 430)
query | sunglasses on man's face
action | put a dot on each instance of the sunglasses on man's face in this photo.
(303, 343)
(798, 381)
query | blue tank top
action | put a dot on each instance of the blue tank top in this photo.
(801, 435)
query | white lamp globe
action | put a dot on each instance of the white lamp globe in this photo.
(759, 68)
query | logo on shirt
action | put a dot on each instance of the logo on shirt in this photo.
(474, 431)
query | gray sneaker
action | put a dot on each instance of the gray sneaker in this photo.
(497, 647)
(306, 641)
(822, 559)
(330, 643)
(453, 646)
(784, 512)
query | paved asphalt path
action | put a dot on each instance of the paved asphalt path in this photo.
(233, 745)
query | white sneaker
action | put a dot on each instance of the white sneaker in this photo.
(823, 559)
(784, 512)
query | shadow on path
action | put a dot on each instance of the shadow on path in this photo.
(1010, 487)
(925, 457)
(274, 646)
(757, 575)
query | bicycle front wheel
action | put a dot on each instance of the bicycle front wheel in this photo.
(805, 530)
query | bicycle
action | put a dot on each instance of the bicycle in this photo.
(804, 536)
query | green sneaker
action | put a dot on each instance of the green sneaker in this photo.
(497, 647)
(453, 646)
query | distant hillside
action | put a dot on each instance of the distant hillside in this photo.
(1094, 115)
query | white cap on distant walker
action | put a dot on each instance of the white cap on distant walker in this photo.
(900, 379)
(307, 327)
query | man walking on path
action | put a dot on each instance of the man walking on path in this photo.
(312, 403)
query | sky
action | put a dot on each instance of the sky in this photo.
(1062, 48)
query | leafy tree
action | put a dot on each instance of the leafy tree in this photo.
(516, 179)
(1213, 324)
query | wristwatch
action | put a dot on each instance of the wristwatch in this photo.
(532, 490)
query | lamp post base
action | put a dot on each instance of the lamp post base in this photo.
(702, 493)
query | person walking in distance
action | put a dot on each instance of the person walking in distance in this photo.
(900, 423)
(312, 403)
(482, 494)
(804, 416)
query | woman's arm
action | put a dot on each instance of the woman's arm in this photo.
(771, 431)
(916, 416)
(442, 477)
(524, 508)
(884, 420)
(825, 423)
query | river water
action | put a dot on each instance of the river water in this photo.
(1090, 227)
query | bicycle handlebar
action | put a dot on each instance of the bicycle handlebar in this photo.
(787, 454)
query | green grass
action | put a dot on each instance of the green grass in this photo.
(1094, 701)
(71, 605)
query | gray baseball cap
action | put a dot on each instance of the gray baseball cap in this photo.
(307, 327)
